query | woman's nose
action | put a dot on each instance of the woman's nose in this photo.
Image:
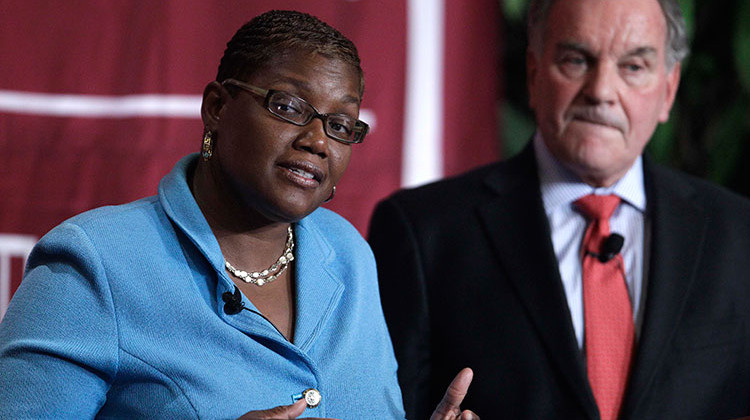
(313, 138)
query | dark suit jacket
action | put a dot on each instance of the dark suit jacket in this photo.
(469, 278)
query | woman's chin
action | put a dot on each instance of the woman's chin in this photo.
(291, 210)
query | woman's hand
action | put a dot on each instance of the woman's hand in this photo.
(291, 411)
(449, 406)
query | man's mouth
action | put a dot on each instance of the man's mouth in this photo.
(599, 119)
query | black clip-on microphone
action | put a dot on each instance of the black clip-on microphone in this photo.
(610, 247)
(233, 302)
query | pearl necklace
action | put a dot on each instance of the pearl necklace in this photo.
(270, 274)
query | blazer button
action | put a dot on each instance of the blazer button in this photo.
(312, 397)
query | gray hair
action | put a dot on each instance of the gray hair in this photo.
(677, 45)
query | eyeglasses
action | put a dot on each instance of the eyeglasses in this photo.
(297, 111)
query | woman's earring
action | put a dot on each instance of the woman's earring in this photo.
(207, 150)
(330, 197)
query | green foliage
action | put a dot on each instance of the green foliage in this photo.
(688, 12)
(709, 127)
(661, 146)
(517, 127)
(725, 149)
(514, 9)
(740, 44)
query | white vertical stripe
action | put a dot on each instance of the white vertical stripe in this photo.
(11, 245)
(422, 160)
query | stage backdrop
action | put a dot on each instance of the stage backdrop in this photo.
(98, 100)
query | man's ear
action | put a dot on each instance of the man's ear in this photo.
(531, 70)
(673, 82)
(214, 96)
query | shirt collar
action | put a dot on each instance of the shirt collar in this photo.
(561, 187)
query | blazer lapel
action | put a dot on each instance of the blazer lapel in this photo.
(318, 290)
(678, 229)
(517, 225)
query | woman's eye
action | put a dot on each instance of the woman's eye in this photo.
(286, 106)
(339, 127)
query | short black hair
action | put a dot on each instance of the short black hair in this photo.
(278, 32)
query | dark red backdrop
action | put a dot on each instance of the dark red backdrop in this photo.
(54, 166)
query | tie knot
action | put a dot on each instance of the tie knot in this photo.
(598, 207)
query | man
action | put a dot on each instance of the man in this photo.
(511, 269)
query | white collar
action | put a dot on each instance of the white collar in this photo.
(561, 187)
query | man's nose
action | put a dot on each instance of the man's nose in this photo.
(601, 84)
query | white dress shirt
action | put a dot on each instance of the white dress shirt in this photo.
(560, 189)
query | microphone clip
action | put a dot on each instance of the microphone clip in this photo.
(233, 303)
(610, 248)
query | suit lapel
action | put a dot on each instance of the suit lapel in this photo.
(519, 231)
(678, 229)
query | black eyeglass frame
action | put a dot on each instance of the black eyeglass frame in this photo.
(359, 130)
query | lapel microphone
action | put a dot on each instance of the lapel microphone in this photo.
(233, 302)
(610, 247)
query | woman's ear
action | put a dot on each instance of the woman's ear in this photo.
(214, 96)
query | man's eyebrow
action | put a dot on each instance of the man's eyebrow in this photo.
(641, 51)
(575, 46)
(583, 49)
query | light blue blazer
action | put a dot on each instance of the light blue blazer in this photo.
(120, 315)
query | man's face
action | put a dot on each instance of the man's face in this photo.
(599, 85)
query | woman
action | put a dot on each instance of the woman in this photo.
(230, 290)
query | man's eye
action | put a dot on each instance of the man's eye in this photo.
(574, 61)
(633, 68)
(573, 65)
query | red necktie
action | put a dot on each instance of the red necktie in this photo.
(608, 316)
